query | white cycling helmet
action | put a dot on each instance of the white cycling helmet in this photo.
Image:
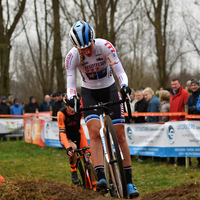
(81, 35)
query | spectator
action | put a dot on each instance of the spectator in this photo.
(188, 86)
(193, 98)
(46, 104)
(164, 106)
(57, 105)
(51, 99)
(153, 106)
(192, 101)
(140, 106)
(159, 89)
(133, 100)
(142, 88)
(4, 108)
(178, 99)
(16, 109)
(10, 102)
(32, 106)
(154, 103)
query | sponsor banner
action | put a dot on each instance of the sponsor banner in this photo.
(33, 130)
(37, 133)
(12, 127)
(172, 139)
(28, 129)
(51, 134)
(183, 139)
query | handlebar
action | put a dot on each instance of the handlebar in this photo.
(100, 105)
(82, 149)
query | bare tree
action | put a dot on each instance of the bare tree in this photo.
(192, 24)
(42, 57)
(7, 27)
(57, 55)
(102, 14)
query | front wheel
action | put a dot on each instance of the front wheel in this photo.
(81, 174)
(115, 166)
(90, 177)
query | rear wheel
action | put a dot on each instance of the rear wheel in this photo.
(117, 180)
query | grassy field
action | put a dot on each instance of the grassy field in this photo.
(24, 161)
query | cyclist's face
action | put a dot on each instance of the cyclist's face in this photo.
(89, 50)
(70, 110)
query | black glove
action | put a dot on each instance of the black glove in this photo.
(124, 90)
(69, 150)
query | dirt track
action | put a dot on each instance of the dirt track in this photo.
(42, 189)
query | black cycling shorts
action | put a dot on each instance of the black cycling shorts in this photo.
(93, 96)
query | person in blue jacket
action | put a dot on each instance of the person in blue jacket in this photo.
(192, 102)
(154, 103)
(46, 104)
(16, 109)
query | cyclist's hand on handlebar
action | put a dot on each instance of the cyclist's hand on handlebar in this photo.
(124, 91)
(70, 151)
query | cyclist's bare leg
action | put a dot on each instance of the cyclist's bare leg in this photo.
(94, 126)
(120, 132)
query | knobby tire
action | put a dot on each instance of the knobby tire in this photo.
(115, 169)
(90, 176)
(79, 166)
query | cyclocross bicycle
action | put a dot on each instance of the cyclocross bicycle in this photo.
(86, 169)
(112, 153)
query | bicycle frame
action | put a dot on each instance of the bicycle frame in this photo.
(88, 169)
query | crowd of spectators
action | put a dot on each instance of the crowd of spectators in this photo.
(171, 99)
(11, 106)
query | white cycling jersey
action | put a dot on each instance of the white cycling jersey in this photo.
(96, 72)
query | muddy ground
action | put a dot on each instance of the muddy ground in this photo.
(42, 189)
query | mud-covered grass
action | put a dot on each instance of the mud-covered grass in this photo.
(33, 172)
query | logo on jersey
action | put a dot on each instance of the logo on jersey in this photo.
(68, 60)
(111, 60)
(110, 46)
(99, 59)
(97, 75)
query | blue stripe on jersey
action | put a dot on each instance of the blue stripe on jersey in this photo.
(118, 121)
(89, 117)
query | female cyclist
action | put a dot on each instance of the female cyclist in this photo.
(95, 59)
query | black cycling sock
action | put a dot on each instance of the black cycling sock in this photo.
(128, 174)
(100, 172)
